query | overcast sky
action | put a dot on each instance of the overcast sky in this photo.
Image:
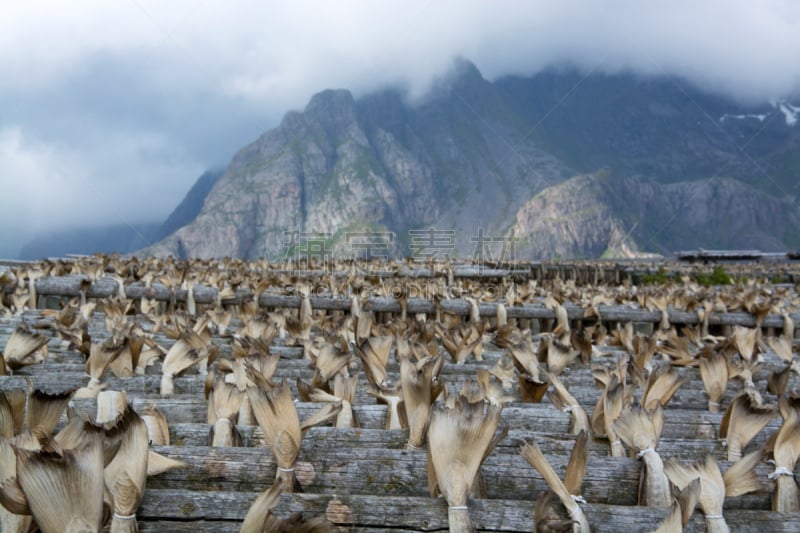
(110, 109)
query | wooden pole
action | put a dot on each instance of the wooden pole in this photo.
(70, 286)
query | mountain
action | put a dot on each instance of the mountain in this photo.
(190, 206)
(477, 159)
(662, 128)
(602, 214)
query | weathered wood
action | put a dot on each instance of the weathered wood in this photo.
(14, 263)
(189, 526)
(420, 514)
(69, 286)
(227, 526)
(367, 512)
(679, 423)
(716, 256)
(57, 376)
(321, 438)
(53, 375)
(611, 480)
(69, 368)
(689, 397)
(579, 272)
(137, 385)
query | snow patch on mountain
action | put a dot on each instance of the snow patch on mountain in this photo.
(790, 112)
(759, 117)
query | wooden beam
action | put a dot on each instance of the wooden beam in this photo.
(541, 417)
(398, 472)
(685, 447)
(689, 396)
(163, 508)
(70, 286)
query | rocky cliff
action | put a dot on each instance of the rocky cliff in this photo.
(497, 157)
(605, 215)
(190, 206)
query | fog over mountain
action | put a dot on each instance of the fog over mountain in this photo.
(113, 109)
(625, 166)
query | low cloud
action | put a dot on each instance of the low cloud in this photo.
(52, 186)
